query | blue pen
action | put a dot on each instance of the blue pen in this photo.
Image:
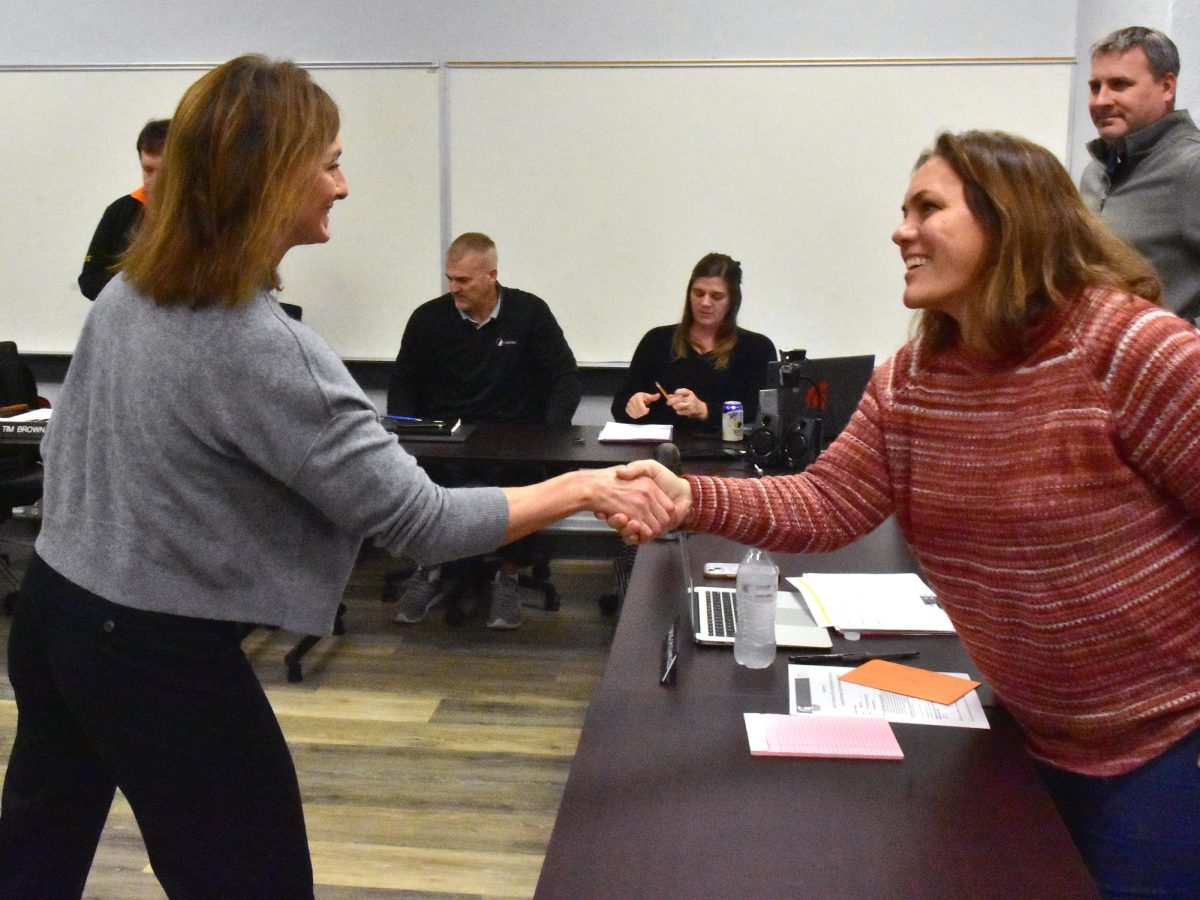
(402, 418)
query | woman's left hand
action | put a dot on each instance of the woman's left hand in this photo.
(685, 403)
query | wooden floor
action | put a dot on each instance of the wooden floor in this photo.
(431, 760)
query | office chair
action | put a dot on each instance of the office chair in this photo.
(17, 489)
(20, 464)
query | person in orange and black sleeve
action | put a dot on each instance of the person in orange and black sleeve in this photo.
(122, 215)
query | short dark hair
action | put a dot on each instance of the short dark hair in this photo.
(473, 242)
(153, 137)
(1161, 52)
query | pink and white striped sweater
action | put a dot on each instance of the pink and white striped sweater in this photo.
(1054, 505)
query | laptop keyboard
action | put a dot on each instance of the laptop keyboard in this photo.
(722, 619)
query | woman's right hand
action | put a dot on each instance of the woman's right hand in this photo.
(677, 490)
(639, 404)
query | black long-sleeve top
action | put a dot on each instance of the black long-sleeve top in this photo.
(108, 243)
(653, 361)
(516, 367)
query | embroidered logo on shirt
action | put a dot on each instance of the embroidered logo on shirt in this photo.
(501, 342)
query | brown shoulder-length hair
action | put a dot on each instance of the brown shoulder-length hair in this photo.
(729, 270)
(1045, 246)
(242, 147)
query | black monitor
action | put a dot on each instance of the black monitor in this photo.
(829, 388)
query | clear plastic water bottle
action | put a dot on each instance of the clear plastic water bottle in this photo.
(757, 585)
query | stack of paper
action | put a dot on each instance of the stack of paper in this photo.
(32, 415)
(883, 690)
(620, 433)
(873, 604)
(779, 735)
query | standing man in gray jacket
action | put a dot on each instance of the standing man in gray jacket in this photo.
(1144, 175)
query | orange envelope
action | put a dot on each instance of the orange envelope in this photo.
(910, 681)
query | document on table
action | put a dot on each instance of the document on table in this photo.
(32, 415)
(872, 604)
(621, 433)
(771, 734)
(819, 691)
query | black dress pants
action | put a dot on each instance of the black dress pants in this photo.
(168, 709)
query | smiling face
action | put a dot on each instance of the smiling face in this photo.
(941, 242)
(327, 187)
(1124, 95)
(709, 298)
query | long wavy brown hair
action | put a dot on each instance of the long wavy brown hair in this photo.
(242, 147)
(1045, 246)
(729, 270)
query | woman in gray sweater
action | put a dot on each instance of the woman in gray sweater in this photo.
(210, 461)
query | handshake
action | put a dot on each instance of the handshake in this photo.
(641, 500)
(667, 498)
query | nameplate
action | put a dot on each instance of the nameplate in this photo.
(22, 432)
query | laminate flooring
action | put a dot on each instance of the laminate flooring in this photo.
(431, 759)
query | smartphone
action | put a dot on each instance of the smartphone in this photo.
(720, 570)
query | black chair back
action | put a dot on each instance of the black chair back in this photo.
(17, 386)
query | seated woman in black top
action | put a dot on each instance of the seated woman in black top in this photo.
(702, 362)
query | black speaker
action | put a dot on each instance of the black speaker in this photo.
(794, 449)
(763, 444)
(801, 443)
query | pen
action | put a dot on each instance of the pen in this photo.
(403, 418)
(829, 659)
(662, 391)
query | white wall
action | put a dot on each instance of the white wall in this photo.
(123, 33)
(57, 32)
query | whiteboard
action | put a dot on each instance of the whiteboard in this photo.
(68, 151)
(603, 185)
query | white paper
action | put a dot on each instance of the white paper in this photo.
(817, 691)
(32, 415)
(620, 433)
(873, 603)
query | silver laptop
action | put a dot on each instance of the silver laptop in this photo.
(714, 613)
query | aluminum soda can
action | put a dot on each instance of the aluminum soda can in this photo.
(731, 420)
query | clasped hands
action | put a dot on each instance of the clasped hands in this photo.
(682, 401)
(645, 501)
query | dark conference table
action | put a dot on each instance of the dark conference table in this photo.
(562, 446)
(664, 799)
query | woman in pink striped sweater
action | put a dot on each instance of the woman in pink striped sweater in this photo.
(1039, 444)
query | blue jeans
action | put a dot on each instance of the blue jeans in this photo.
(1139, 833)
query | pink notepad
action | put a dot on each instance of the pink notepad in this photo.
(828, 736)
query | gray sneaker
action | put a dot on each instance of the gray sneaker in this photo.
(505, 608)
(420, 595)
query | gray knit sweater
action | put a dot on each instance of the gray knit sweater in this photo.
(223, 464)
(1154, 203)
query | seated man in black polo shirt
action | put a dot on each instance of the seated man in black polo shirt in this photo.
(482, 353)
